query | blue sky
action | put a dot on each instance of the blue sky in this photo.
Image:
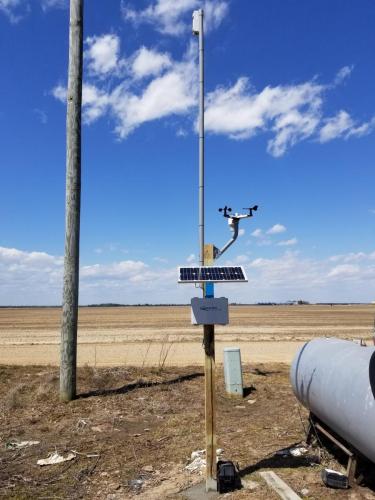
(290, 119)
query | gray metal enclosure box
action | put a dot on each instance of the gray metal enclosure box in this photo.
(233, 371)
(209, 311)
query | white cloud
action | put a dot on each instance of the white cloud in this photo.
(288, 243)
(36, 278)
(291, 112)
(291, 275)
(42, 115)
(343, 74)
(181, 132)
(191, 258)
(149, 62)
(257, 233)
(102, 53)
(54, 4)
(241, 259)
(162, 260)
(29, 277)
(20, 258)
(95, 103)
(173, 17)
(335, 126)
(261, 237)
(59, 92)
(15, 10)
(344, 270)
(126, 269)
(276, 229)
(172, 93)
(350, 257)
(241, 232)
(214, 13)
(342, 125)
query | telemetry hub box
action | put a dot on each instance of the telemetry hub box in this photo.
(209, 311)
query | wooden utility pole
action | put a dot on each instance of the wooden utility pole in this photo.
(68, 362)
(210, 389)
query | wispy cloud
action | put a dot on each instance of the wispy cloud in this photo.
(292, 113)
(265, 237)
(257, 233)
(162, 260)
(110, 248)
(173, 17)
(15, 10)
(288, 243)
(343, 74)
(342, 125)
(29, 277)
(344, 271)
(276, 229)
(54, 4)
(41, 115)
(191, 258)
(59, 92)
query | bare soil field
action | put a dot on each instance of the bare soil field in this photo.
(140, 407)
(132, 431)
(116, 336)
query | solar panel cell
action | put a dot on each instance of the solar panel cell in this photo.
(211, 274)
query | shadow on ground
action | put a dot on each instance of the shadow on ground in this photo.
(139, 385)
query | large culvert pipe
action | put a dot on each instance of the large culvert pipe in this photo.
(335, 380)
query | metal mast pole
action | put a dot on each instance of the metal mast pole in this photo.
(208, 330)
(201, 139)
(68, 362)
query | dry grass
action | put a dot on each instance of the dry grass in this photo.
(15, 398)
(158, 422)
(165, 349)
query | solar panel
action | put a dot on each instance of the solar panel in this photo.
(211, 274)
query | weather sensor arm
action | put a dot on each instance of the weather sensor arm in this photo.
(233, 222)
(234, 228)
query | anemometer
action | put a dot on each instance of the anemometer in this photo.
(233, 223)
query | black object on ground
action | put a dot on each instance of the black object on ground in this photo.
(335, 479)
(228, 478)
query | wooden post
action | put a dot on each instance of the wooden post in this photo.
(68, 362)
(210, 389)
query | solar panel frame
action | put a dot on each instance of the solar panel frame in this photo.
(212, 274)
